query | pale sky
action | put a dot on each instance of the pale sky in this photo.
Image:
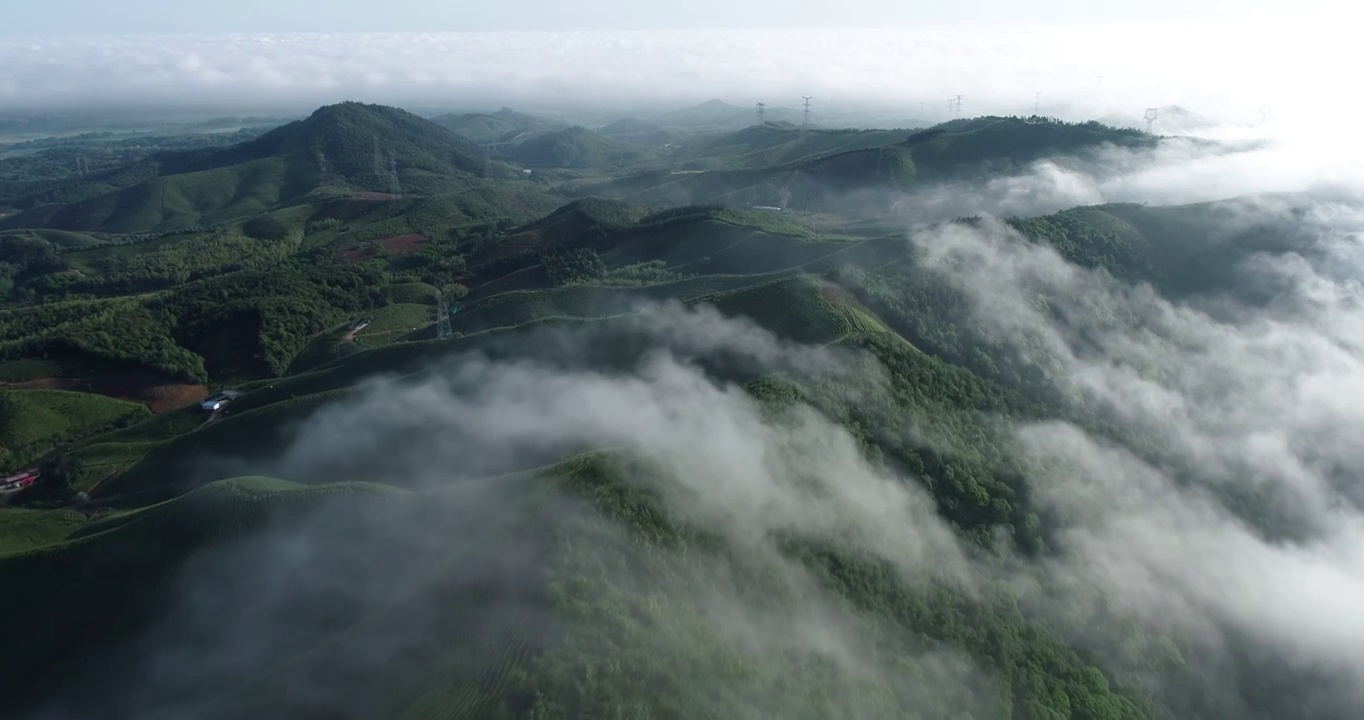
(30, 17)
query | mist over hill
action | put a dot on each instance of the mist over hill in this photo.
(644, 408)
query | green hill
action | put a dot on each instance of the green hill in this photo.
(575, 222)
(711, 115)
(755, 147)
(580, 148)
(1183, 249)
(35, 422)
(134, 557)
(358, 145)
(585, 496)
(500, 126)
(952, 152)
(639, 132)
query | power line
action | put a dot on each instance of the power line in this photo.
(762, 110)
(443, 330)
(805, 120)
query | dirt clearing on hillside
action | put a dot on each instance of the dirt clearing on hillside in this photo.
(396, 245)
(402, 244)
(159, 393)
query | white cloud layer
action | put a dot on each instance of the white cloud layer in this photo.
(1226, 69)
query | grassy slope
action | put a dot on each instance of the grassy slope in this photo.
(499, 126)
(393, 323)
(578, 147)
(131, 557)
(638, 643)
(37, 421)
(762, 146)
(22, 529)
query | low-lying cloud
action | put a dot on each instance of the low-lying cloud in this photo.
(1218, 163)
(1225, 69)
(1237, 512)
(749, 476)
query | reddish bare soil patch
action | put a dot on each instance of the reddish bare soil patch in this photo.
(359, 254)
(396, 245)
(400, 244)
(159, 393)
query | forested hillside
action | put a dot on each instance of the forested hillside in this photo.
(704, 433)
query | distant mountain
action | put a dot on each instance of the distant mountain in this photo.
(775, 143)
(711, 115)
(956, 151)
(628, 125)
(578, 147)
(640, 132)
(500, 126)
(357, 145)
(358, 141)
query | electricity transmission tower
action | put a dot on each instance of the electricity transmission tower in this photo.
(762, 110)
(1151, 114)
(394, 187)
(443, 331)
(955, 103)
(805, 119)
(1037, 102)
(1265, 110)
(324, 177)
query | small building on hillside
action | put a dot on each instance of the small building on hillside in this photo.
(18, 481)
(220, 400)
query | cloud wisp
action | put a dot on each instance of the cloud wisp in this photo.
(751, 477)
(1237, 512)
